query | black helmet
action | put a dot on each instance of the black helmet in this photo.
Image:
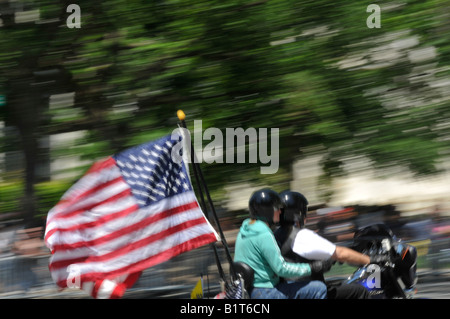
(263, 203)
(295, 207)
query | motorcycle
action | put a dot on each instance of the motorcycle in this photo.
(394, 279)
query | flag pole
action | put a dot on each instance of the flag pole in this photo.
(204, 208)
(201, 182)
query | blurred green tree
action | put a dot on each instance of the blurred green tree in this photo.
(311, 68)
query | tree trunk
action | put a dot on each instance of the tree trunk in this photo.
(24, 110)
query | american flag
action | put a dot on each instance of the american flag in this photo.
(129, 212)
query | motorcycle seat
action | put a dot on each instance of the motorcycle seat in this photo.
(246, 272)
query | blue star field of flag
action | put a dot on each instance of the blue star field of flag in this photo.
(151, 173)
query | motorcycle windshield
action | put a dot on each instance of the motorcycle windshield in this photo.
(376, 230)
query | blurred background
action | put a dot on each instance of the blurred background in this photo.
(363, 113)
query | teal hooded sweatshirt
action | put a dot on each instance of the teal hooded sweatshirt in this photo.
(256, 246)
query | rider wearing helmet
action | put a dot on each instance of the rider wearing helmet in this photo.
(299, 244)
(256, 247)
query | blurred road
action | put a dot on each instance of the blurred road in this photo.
(432, 286)
(176, 278)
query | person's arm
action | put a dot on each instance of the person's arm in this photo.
(281, 267)
(350, 256)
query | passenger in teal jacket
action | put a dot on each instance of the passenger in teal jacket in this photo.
(256, 246)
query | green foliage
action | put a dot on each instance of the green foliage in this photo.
(311, 68)
(9, 197)
(47, 195)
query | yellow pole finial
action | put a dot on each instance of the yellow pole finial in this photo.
(181, 115)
